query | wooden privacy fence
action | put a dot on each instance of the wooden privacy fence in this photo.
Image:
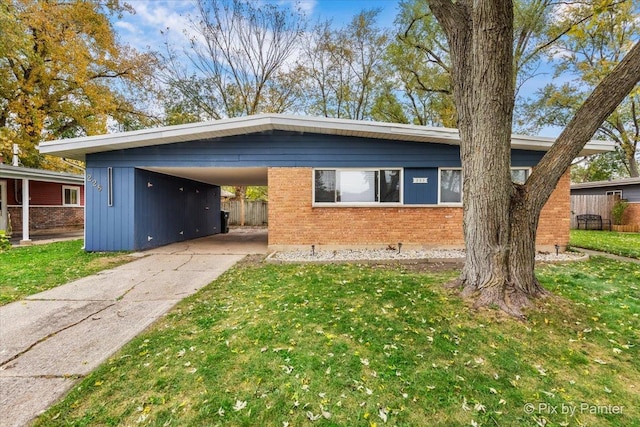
(255, 212)
(597, 205)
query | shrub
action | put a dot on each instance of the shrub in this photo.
(4, 241)
(617, 212)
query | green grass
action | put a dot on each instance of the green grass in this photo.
(625, 244)
(276, 344)
(28, 270)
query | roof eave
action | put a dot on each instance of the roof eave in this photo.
(14, 172)
(78, 148)
(613, 183)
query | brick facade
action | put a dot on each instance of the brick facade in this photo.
(293, 222)
(47, 219)
(555, 218)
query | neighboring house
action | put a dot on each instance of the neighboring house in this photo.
(332, 182)
(35, 201)
(625, 188)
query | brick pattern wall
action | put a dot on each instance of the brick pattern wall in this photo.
(48, 219)
(632, 214)
(293, 222)
(555, 218)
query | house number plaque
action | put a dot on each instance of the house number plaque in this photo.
(91, 180)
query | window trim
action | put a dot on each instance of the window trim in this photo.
(357, 204)
(440, 202)
(526, 168)
(613, 193)
(72, 188)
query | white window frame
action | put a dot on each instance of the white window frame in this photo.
(614, 192)
(356, 204)
(523, 168)
(440, 202)
(72, 188)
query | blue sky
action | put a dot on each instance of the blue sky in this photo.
(142, 31)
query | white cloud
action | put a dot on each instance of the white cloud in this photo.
(306, 6)
(144, 29)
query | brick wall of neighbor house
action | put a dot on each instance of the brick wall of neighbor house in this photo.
(46, 219)
(632, 215)
(294, 222)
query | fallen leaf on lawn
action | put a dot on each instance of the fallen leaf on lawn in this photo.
(240, 405)
(464, 404)
(313, 417)
(383, 413)
(479, 407)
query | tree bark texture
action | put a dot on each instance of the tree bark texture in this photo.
(501, 218)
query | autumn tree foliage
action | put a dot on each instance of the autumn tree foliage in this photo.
(589, 51)
(64, 74)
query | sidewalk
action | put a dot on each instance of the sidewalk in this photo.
(607, 255)
(51, 340)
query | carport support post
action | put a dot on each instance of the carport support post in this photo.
(25, 212)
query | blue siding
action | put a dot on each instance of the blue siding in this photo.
(109, 228)
(281, 149)
(170, 209)
(415, 194)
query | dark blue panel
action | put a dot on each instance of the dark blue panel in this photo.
(281, 149)
(285, 149)
(522, 158)
(421, 193)
(170, 209)
(109, 228)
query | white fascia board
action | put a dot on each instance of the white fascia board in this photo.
(613, 183)
(40, 175)
(78, 148)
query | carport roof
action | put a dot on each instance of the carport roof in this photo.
(78, 148)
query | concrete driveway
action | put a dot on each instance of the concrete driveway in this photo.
(51, 340)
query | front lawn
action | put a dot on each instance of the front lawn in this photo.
(625, 244)
(28, 270)
(355, 345)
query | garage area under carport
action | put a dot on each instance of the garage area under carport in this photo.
(215, 177)
(168, 204)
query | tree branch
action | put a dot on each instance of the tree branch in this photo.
(592, 113)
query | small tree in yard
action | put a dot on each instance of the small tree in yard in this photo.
(619, 207)
(500, 217)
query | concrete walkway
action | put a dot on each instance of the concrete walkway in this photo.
(51, 340)
(607, 255)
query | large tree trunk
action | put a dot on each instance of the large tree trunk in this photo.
(501, 218)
